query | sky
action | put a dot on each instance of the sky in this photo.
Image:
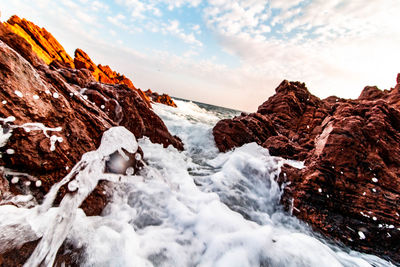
(230, 53)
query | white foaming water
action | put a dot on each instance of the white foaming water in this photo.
(52, 225)
(198, 207)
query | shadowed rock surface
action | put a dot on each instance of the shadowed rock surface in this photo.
(350, 186)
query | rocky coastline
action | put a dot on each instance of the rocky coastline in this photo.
(349, 189)
(54, 108)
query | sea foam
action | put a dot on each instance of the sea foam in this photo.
(198, 207)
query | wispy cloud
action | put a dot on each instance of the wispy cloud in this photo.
(333, 45)
(140, 9)
(172, 4)
(96, 6)
(118, 21)
(173, 27)
(234, 51)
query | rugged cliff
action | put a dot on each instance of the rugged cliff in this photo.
(75, 108)
(42, 42)
(48, 49)
(104, 74)
(50, 115)
(350, 187)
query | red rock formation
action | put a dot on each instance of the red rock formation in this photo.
(58, 96)
(104, 74)
(291, 117)
(19, 44)
(48, 49)
(42, 42)
(163, 99)
(115, 77)
(350, 185)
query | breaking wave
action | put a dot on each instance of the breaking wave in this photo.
(198, 207)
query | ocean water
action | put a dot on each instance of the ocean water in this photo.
(198, 207)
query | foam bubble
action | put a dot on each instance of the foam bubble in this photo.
(53, 140)
(361, 234)
(73, 185)
(130, 171)
(18, 93)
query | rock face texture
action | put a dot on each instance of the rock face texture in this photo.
(42, 42)
(105, 74)
(49, 50)
(285, 123)
(50, 115)
(350, 187)
(76, 108)
(163, 99)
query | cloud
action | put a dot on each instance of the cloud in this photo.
(196, 28)
(140, 10)
(336, 46)
(97, 6)
(86, 18)
(70, 4)
(172, 4)
(174, 28)
(118, 21)
(235, 17)
(285, 5)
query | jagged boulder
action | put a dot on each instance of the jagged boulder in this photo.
(349, 188)
(291, 117)
(163, 99)
(105, 74)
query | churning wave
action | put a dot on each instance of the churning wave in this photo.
(198, 207)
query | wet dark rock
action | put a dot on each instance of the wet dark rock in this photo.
(70, 110)
(56, 96)
(350, 183)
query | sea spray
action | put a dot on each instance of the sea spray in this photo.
(82, 179)
(192, 208)
(86, 174)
